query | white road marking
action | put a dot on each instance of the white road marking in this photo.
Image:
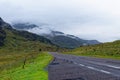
(81, 65)
(98, 70)
(112, 66)
(90, 67)
(117, 67)
(93, 68)
(105, 72)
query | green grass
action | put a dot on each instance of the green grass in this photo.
(33, 71)
(94, 55)
(106, 50)
(16, 48)
(20, 46)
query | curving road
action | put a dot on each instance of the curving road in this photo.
(70, 67)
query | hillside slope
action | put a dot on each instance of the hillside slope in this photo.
(66, 42)
(59, 38)
(10, 36)
(15, 46)
(105, 50)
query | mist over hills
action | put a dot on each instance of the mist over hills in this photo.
(18, 39)
(59, 38)
(41, 33)
(40, 38)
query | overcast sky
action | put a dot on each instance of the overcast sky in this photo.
(88, 19)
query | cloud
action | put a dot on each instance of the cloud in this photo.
(43, 29)
(89, 19)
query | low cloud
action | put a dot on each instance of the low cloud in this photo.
(89, 19)
(44, 29)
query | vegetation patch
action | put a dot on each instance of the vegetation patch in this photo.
(33, 69)
(105, 50)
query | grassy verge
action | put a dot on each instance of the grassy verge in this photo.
(105, 50)
(32, 71)
(94, 55)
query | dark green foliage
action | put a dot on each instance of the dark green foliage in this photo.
(2, 33)
(66, 42)
(32, 37)
(2, 36)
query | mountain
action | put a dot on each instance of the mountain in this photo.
(18, 39)
(56, 37)
(22, 26)
(18, 48)
(92, 42)
(69, 41)
(42, 29)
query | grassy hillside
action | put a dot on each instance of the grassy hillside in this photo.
(17, 47)
(66, 42)
(105, 50)
(34, 69)
(21, 54)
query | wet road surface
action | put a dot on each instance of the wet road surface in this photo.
(69, 67)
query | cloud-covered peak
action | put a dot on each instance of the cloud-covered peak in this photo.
(37, 29)
(87, 18)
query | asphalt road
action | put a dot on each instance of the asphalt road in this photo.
(69, 67)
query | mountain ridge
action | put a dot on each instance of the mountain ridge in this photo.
(57, 37)
(15, 39)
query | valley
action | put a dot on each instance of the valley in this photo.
(59, 39)
(29, 56)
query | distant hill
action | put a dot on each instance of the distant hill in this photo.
(56, 37)
(17, 46)
(13, 38)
